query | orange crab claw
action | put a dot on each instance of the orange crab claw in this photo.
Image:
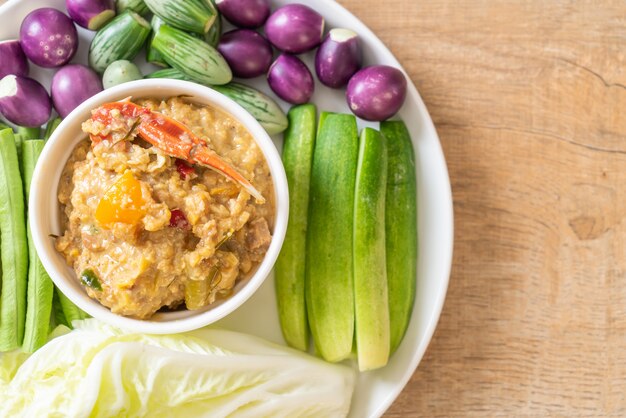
(171, 137)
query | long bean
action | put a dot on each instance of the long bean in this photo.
(13, 247)
(40, 288)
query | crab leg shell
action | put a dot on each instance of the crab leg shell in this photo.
(176, 140)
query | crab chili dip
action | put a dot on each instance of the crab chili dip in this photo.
(167, 204)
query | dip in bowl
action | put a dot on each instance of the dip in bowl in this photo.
(162, 213)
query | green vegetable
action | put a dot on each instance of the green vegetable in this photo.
(188, 15)
(212, 37)
(13, 251)
(400, 228)
(137, 6)
(4, 126)
(19, 142)
(71, 312)
(194, 57)
(90, 279)
(121, 71)
(262, 107)
(172, 73)
(371, 303)
(152, 55)
(28, 133)
(329, 266)
(297, 158)
(197, 291)
(40, 288)
(51, 127)
(99, 370)
(120, 39)
(58, 316)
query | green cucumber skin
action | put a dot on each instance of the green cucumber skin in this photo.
(40, 289)
(189, 15)
(371, 303)
(400, 228)
(297, 158)
(329, 266)
(262, 107)
(13, 251)
(137, 6)
(121, 39)
(197, 59)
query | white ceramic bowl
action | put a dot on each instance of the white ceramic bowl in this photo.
(45, 208)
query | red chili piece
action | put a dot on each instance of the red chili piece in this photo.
(184, 169)
(179, 220)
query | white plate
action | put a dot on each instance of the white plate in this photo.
(375, 390)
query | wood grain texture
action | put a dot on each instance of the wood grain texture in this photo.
(529, 100)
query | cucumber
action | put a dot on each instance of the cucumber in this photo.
(120, 39)
(40, 289)
(297, 158)
(400, 228)
(371, 303)
(329, 269)
(188, 15)
(197, 59)
(51, 126)
(13, 251)
(137, 6)
(152, 55)
(262, 107)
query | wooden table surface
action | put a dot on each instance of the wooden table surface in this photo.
(529, 99)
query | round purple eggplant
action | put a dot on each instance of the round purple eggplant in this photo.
(48, 37)
(338, 58)
(72, 85)
(376, 93)
(295, 28)
(247, 52)
(12, 59)
(290, 79)
(91, 14)
(23, 101)
(244, 13)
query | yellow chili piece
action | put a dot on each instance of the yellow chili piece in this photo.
(123, 202)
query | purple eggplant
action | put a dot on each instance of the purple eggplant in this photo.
(338, 58)
(91, 14)
(247, 52)
(295, 28)
(48, 37)
(290, 79)
(244, 13)
(376, 93)
(72, 85)
(23, 101)
(12, 59)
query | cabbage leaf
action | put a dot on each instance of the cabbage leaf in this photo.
(97, 370)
